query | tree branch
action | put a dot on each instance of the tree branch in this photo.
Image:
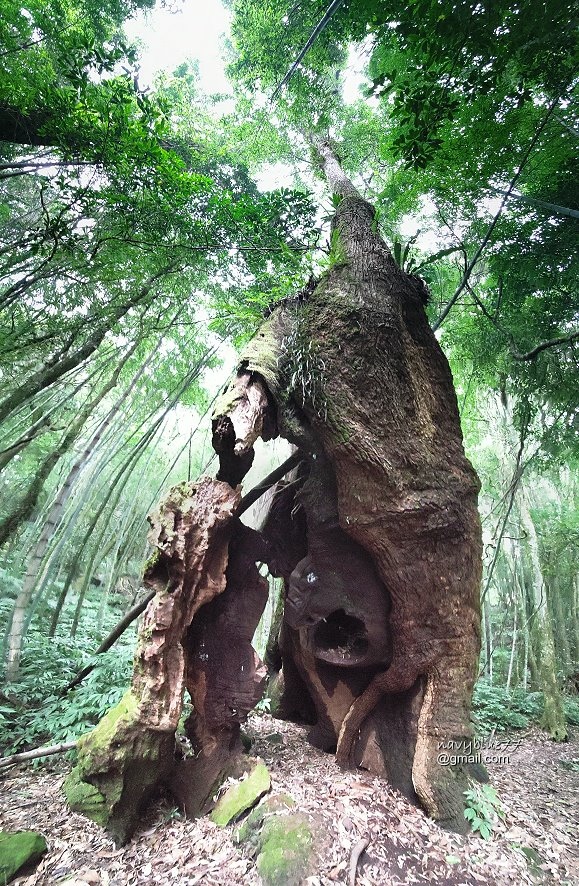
(492, 225)
(553, 208)
(321, 25)
(515, 353)
(552, 343)
(48, 751)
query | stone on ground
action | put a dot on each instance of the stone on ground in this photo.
(242, 796)
(17, 850)
(281, 838)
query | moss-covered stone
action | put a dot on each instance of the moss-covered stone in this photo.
(286, 850)
(281, 838)
(242, 796)
(246, 741)
(274, 738)
(249, 831)
(17, 850)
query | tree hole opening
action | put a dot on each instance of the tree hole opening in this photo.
(341, 636)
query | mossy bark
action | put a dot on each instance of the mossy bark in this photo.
(382, 615)
(131, 753)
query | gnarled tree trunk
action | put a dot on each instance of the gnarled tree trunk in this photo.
(382, 616)
(378, 538)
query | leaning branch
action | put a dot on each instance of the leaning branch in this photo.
(48, 751)
(111, 639)
(533, 353)
(288, 465)
(552, 208)
(552, 343)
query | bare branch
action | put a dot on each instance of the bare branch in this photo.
(48, 751)
(321, 25)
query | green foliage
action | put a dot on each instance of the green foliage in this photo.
(37, 715)
(483, 809)
(572, 711)
(496, 709)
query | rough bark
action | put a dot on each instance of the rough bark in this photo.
(131, 752)
(377, 538)
(361, 385)
(225, 678)
(196, 636)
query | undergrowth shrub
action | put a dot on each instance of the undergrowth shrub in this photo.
(32, 713)
(497, 709)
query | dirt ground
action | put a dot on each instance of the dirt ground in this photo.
(538, 785)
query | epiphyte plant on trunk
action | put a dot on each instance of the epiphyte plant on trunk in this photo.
(378, 541)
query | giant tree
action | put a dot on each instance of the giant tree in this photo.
(381, 627)
(377, 536)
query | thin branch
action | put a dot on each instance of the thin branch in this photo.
(492, 225)
(515, 353)
(563, 339)
(513, 486)
(357, 851)
(551, 207)
(321, 25)
(48, 751)
(252, 496)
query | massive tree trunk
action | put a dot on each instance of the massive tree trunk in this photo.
(382, 618)
(377, 538)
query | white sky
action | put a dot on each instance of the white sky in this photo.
(194, 31)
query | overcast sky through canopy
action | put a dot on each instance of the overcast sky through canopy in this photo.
(193, 31)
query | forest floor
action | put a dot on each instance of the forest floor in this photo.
(538, 787)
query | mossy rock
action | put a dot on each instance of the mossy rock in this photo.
(246, 741)
(286, 850)
(242, 796)
(17, 850)
(249, 831)
(281, 838)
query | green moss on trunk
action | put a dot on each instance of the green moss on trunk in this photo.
(119, 765)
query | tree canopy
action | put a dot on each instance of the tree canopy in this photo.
(138, 245)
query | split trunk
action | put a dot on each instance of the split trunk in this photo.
(377, 536)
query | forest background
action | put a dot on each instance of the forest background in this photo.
(144, 235)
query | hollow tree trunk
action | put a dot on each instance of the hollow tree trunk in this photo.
(382, 616)
(131, 751)
(379, 542)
